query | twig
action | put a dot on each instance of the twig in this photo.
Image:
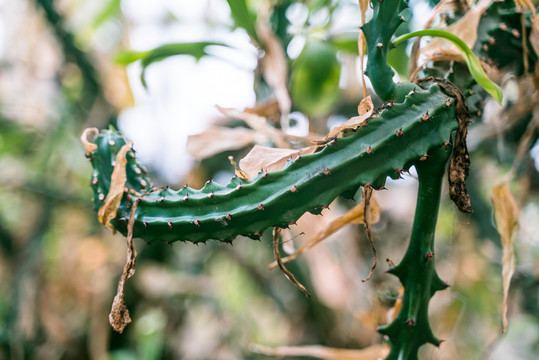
(284, 270)
(367, 193)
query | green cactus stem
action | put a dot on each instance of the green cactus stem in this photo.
(411, 328)
(395, 137)
(385, 20)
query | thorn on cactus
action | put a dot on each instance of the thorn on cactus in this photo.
(260, 207)
(197, 223)
(294, 189)
(169, 224)
(410, 322)
(429, 255)
(399, 132)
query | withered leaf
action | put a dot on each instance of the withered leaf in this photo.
(465, 29)
(506, 214)
(372, 352)
(90, 147)
(364, 110)
(262, 158)
(218, 139)
(110, 205)
(354, 215)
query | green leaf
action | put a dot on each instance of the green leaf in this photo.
(243, 18)
(195, 49)
(471, 60)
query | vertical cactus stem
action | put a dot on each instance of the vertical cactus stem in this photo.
(411, 329)
(378, 31)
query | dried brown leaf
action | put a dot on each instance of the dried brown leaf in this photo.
(373, 352)
(275, 69)
(262, 158)
(109, 208)
(465, 28)
(89, 146)
(364, 110)
(506, 213)
(442, 7)
(256, 123)
(239, 172)
(217, 139)
(354, 215)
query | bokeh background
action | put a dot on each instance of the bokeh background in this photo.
(60, 73)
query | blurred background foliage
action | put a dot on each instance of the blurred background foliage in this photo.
(61, 71)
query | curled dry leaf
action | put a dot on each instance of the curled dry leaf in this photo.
(506, 213)
(109, 208)
(364, 110)
(465, 29)
(89, 146)
(373, 352)
(262, 158)
(354, 215)
(217, 139)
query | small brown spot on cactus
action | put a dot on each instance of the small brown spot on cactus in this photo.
(137, 170)
(325, 207)
(503, 27)
(169, 224)
(197, 223)
(478, 112)
(111, 143)
(95, 181)
(429, 255)
(448, 103)
(379, 45)
(410, 322)
(101, 197)
(398, 171)
(399, 132)
(423, 157)
(228, 217)
(446, 144)
(294, 189)
(145, 223)
(292, 223)
(515, 33)
(89, 155)
(382, 188)
(143, 183)
(369, 150)
(491, 40)
(258, 233)
(485, 47)
(260, 207)
(327, 171)
(238, 187)
(211, 195)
